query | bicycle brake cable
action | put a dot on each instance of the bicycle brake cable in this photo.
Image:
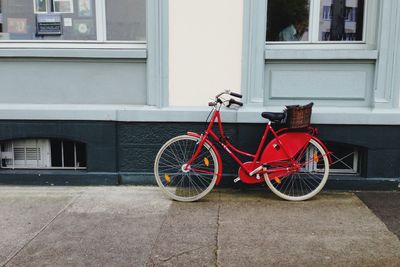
(209, 114)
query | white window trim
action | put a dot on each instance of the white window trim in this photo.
(313, 42)
(73, 44)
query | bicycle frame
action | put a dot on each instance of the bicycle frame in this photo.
(249, 169)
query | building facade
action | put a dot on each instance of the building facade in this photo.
(91, 89)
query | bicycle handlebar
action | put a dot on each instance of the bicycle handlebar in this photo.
(235, 94)
(228, 92)
(233, 101)
(230, 101)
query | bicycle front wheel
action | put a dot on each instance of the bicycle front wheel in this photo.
(182, 182)
(312, 174)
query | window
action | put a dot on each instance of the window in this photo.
(43, 154)
(73, 20)
(327, 13)
(296, 21)
(345, 158)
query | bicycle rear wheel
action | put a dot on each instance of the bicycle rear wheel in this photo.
(308, 181)
(181, 182)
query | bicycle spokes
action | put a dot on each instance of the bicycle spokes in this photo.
(176, 177)
(305, 177)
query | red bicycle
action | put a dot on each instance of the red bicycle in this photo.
(294, 164)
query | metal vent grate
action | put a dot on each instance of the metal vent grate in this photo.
(19, 153)
(33, 153)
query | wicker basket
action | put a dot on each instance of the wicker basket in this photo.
(298, 116)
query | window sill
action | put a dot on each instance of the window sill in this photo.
(74, 53)
(331, 54)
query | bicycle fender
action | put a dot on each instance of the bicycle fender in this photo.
(284, 146)
(219, 174)
(328, 153)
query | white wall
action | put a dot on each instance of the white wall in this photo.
(205, 49)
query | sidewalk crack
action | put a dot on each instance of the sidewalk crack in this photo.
(12, 256)
(150, 259)
(181, 253)
(217, 233)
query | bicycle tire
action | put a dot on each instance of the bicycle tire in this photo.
(308, 181)
(177, 182)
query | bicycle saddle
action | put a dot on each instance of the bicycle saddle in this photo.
(273, 116)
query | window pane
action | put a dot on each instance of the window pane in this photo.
(126, 20)
(18, 19)
(288, 20)
(56, 153)
(345, 158)
(69, 157)
(341, 20)
(80, 155)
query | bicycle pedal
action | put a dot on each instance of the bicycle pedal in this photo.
(237, 179)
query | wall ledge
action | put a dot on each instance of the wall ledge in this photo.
(92, 53)
(321, 54)
(138, 113)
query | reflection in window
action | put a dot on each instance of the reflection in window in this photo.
(18, 19)
(326, 13)
(63, 6)
(126, 20)
(40, 6)
(341, 20)
(288, 20)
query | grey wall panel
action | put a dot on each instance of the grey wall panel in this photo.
(332, 84)
(73, 81)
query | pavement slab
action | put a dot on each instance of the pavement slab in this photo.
(334, 229)
(24, 212)
(105, 226)
(385, 205)
(188, 236)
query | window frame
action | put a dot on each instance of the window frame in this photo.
(314, 42)
(100, 42)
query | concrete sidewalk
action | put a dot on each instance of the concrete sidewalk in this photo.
(138, 226)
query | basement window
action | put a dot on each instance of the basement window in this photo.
(345, 158)
(43, 154)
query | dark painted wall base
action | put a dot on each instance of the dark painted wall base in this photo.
(57, 178)
(62, 178)
(123, 153)
(335, 182)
